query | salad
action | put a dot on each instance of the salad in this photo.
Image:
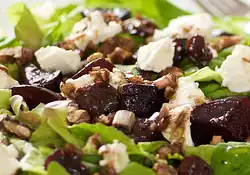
(124, 88)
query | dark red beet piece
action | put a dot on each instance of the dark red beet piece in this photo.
(141, 131)
(32, 75)
(140, 26)
(102, 63)
(70, 160)
(198, 51)
(99, 98)
(193, 165)
(229, 118)
(142, 99)
(148, 75)
(180, 51)
(34, 95)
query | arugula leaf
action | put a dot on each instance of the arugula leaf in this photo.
(188, 67)
(205, 75)
(5, 96)
(56, 168)
(56, 119)
(26, 27)
(84, 130)
(225, 92)
(161, 11)
(134, 168)
(151, 147)
(46, 136)
(10, 42)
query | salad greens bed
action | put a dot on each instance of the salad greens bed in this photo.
(48, 122)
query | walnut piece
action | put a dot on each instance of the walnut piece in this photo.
(216, 140)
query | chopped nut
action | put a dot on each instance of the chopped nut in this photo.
(161, 120)
(110, 44)
(169, 92)
(94, 56)
(167, 80)
(15, 127)
(68, 89)
(119, 55)
(76, 116)
(216, 140)
(17, 54)
(92, 145)
(3, 68)
(106, 120)
(247, 139)
(136, 79)
(101, 75)
(173, 70)
(108, 17)
(164, 169)
(164, 151)
(124, 119)
(226, 41)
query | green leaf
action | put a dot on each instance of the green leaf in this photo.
(225, 92)
(46, 136)
(209, 87)
(56, 168)
(188, 67)
(13, 70)
(151, 147)
(84, 130)
(26, 27)
(161, 11)
(56, 119)
(205, 75)
(231, 159)
(5, 97)
(9, 42)
(134, 168)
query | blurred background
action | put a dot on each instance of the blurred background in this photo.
(49, 5)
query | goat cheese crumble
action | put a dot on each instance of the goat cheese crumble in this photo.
(156, 56)
(115, 155)
(9, 163)
(235, 70)
(95, 29)
(52, 58)
(187, 26)
(188, 93)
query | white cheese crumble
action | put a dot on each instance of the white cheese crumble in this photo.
(9, 163)
(6, 80)
(179, 126)
(116, 78)
(187, 26)
(235, 70)
(44, 10)
(114, 155)
(95, 29)
(187, 93)
(52, 58)
(84, 80)
(156, 56)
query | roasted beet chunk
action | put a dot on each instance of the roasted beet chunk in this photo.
(122, 13)
(198, 51)
(193, 165)
(102, 63)
(229, 118)
(99, 98)
(141, 99)
(140, 26)
(34, 95)
(180, 51)
(34, 76)
(142, 132)
(70, 160)
(147, 75)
